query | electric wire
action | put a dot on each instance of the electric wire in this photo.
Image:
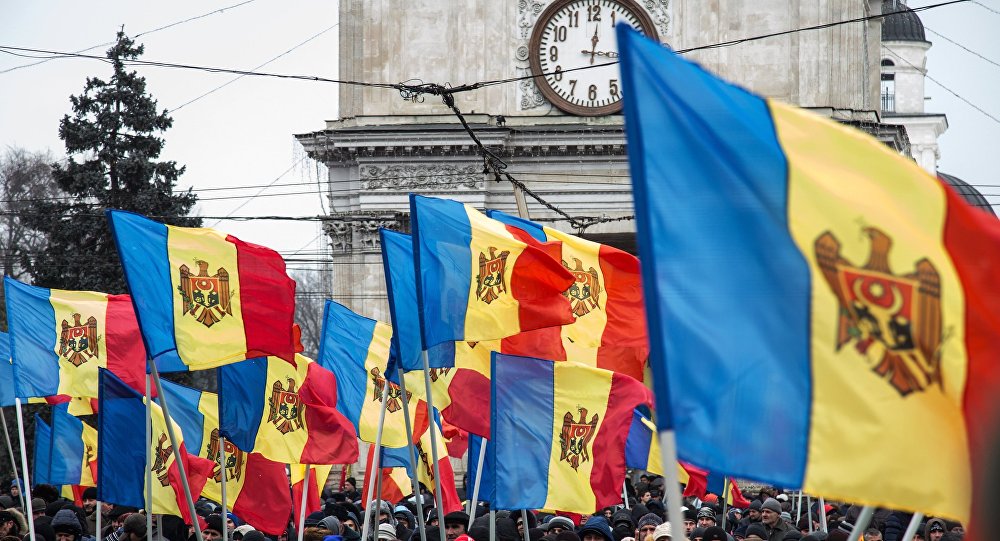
(957, 44)
(984, 6)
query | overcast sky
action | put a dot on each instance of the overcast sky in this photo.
(241, 135)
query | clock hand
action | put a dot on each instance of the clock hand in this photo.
(610, 54)
(593, 43)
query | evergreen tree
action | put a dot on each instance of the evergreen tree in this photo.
(113, 131)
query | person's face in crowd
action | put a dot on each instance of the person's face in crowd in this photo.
(608, 514)
(958, 528)
(655, 495)
(520, 527)
(645, 530)
(556, 529)
(15, 492)
(753, 537)
(6, 528)
(769, 517)
(401, 519)
(210, 534)
(592, 536)
(383, 518)
(696, 538)
(706, 522)
(60, 536)
(646, 496)
(454, 529)
(874, 537)
(688, 526)
(89, 505)
(37, 512)
(119, 521)
(935, 536)
(754, 515)
(106, 508)
(432, 522)
(350, 524)
(584, 518)
(229, 524)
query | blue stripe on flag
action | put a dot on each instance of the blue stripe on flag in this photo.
(6, 372)
(31, 321)
(43, 450)
(67, 447)
(640, 439)
(121, 455)
(529, 227)
(183, 404)
(242, 388)
(343, 348)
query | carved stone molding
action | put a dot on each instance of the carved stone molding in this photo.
(527, 12)
(659, 11)
(357, 232)
(408, 177)
(340, 236)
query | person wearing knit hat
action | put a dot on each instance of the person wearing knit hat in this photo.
(706, 517)
(557, 525)
(67, 526)
(596, 529)
(37, 507)
(240, 531)
(254, 535)
(770, 518)
(213, 527)
(756, 532)
(715, 533)
(386, 532)
(647, 523)
(662, 532)
(697, 534)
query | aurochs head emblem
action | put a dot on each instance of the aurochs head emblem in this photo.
(287, 408)
(206, 298)
(490, 283)
(78, 342)
(894, 320)
(585, 293)
(574, 440)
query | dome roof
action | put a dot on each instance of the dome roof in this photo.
(971, 195)
(904, 26)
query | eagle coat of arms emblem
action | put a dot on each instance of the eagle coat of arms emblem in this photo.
(287, 408)
(491, 283)
(893, 320)
(161, 456)
(574, 439)
(234, 459)
(394, 402)
(78, 341)
(206, 298)
(585, 293)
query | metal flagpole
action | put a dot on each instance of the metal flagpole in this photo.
(97, 517)
(376, 455)
(524, 523)
(725, 500)
(413, 455)
(798, 506)
(434, 443)
(672, 481)
(302, 505)
(625, 495)
(863, 519)
(475, 486)
(493, 525)
(149, 458)
(822, 514)
(26, 490)
(176, 448)
(10, 451)
(222, 472)
(911, 529)
(378, 482)
(809, 505)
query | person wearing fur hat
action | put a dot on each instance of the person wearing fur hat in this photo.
(770, 517)
(596, 529)
(647, 523)
(67, 526)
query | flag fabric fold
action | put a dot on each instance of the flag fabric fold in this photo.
(727, 488)
(60, 339)
(204, 298)
(396, 483)
(256, 488)
(318, 476)
(642, 452)
(476, 280)
(285, 412)
(800, 269)
(73, 459)
(121, 454)
(558, 434)
(356, 350)
(42, 452)
(609, 330)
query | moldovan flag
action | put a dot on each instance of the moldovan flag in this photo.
(285, 412)
(318, 476)
(460, 371)
(727, 488)
(356, 350)
(59, 339)
(606, 299)
(121, 454)
(642, 451)
(477, 280)
(801, 270)
(558, 434)
(204, 298)
(256, 488)
(396, 483)
(73, 460)
(42, 452)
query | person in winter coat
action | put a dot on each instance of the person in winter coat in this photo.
(622, 525)
(770, 517)
(67, 526)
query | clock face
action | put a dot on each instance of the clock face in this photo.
(572, 34)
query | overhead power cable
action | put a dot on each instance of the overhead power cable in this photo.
(147, 32)
(984, 6)
(957, 44)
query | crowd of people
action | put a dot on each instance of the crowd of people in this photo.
(771, 516)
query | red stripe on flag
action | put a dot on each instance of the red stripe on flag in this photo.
(623, 359)
(267, 300)
(264, 502)
(470, 402)
(319, 387)
(626, 324)
(972, 237)
(197, 469)
(391, 491)
(332, 438)
(697, 484)
(608, 451)
(537, 282)
(540, 343)
(123, 343)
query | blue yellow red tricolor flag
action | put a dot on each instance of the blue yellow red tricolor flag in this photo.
(356, 349)
(478, 281)
(642, 451)
(256, 488)
(42, 452)
(121, 453)
(727, 488)
(60, 339)
(285, 412)
(558, 434)
(73, 459)
(204, 298)
(396, 483)
(609, 330)
(318, 476)
(800, 269)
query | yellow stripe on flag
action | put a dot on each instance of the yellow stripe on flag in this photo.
(89, 437)
(271, 442)
(164, 497)
(394, 430)
(205, 252)
(73, 309)
(491, 242)
(582, 337)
